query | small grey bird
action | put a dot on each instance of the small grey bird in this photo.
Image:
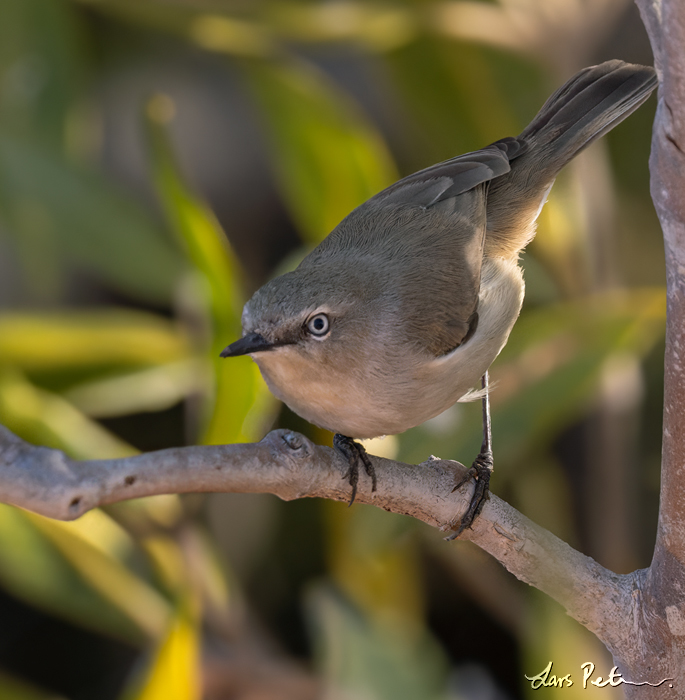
(400, 311)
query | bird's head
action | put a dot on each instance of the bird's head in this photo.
(306, 313)
(316, 334)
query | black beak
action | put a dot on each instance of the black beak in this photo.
(252, 342)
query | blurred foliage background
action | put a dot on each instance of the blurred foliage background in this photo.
(159, 160)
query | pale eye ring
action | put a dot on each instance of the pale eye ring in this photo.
(318, 325)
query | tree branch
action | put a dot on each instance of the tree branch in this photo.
(665, 24)
(290, 466)
(657, 607)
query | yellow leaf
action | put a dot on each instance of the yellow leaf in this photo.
(47, 419)
(174, 673)
(111, 579)
(85, 339)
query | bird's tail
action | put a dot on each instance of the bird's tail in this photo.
(591, 103)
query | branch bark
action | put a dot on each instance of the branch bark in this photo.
(290, 466)
(658, 604)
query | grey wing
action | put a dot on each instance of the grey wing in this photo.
(448, 236)
(454, 176)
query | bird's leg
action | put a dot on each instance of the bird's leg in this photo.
(354, 453)
(480, 470)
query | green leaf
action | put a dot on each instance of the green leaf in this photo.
(59, 213)
(33, 569)
(41, 67)
(450, 109)
(393, 662)
(374, 562)
(106, 575)
(240, 390)
(328, 158)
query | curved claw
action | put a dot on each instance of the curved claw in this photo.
(354, 453)
(480, 471)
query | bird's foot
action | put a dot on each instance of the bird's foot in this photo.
(354, 453)
(480, 471)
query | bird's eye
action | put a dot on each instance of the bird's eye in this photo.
(318, 325)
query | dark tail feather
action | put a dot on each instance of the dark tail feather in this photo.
(591, 103)
(587, 106)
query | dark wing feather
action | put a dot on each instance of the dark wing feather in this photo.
(449, 236)
(452, 177)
